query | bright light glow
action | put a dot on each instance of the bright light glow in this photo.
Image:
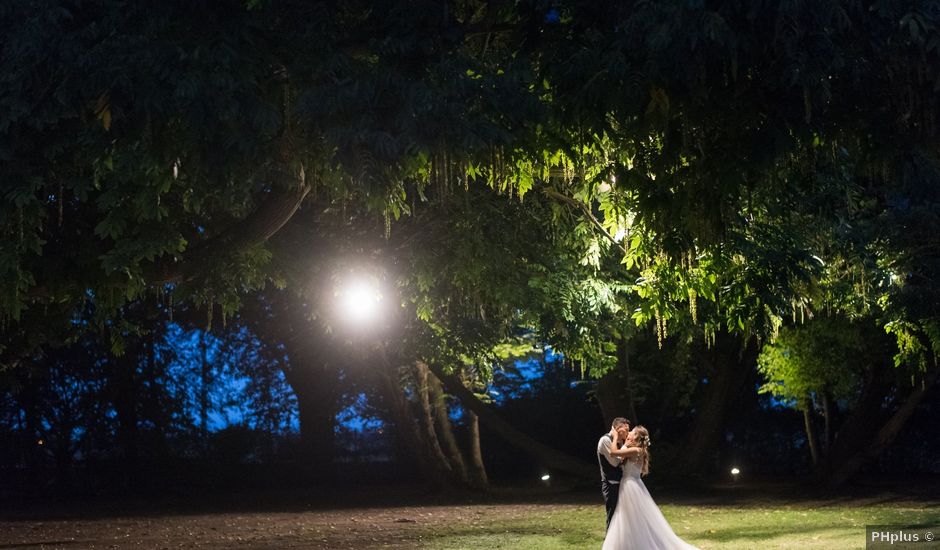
(360, 301)
(621, 233)
(735, 471)
(546, 477)
(604, 187)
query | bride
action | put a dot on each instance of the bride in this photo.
(637, 521)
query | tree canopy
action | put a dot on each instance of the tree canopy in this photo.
(578, 171)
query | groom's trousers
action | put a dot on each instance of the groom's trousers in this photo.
(610, 491)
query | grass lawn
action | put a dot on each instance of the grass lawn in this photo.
(780, 515)
(818, 524)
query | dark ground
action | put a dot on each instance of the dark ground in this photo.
(385, 516)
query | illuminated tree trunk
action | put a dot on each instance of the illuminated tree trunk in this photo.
(548, 456)
(807, 407)
(411, 444)
(445, 429)
(477, 470)
(426, 423)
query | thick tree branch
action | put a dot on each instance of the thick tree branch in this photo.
(258, 227)
(584, 210)
(887, 433)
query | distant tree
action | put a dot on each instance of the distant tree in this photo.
(843, 371)
(59, 414)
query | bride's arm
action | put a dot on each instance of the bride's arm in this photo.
(624, 452)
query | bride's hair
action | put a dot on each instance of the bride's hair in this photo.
(642, 438)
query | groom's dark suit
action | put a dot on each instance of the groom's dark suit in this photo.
(611, 473)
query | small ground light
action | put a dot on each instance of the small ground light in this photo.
(546, 477)
(734, 474)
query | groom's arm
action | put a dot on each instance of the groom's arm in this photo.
(622, 452)
(605, 450)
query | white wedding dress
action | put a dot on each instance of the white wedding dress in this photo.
(637, 523)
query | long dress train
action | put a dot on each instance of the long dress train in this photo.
(638, 524)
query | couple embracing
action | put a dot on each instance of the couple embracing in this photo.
(633, 519)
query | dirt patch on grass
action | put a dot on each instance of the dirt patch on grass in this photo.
(397, 527)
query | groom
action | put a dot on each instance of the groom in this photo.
(610, 465)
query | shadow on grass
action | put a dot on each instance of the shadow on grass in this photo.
(779, 493)
(734, 534)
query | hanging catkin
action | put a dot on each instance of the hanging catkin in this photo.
(494, 177)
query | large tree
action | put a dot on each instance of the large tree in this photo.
(701, 158)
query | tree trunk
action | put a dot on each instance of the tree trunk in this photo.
(886, 435)
(807, 408)
(445, 429)
(731, 362)
(153, 407)
(426, 422)
(410, 442)
(28, 401)
(857, 428)
(548, 456)
(312, 371)
(204, 391)
(623, 360)
(64, 454)
(827, 416)
(477, 469)
(124, 397)
(315, 385)
(615, 389)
